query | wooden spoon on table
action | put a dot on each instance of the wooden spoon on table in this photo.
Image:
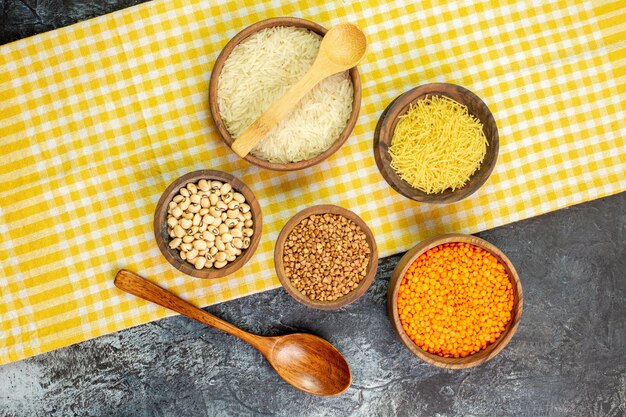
(307, 362)
(342, 48)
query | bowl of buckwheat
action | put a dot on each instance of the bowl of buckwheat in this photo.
(326, 257)
(207, 224)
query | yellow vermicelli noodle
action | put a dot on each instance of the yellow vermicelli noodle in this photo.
(437, 145)
(259, 71)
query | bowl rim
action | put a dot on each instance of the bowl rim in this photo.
(214, 105)
(386, 126)
(352, 296)
(160, 224)
(492, 349)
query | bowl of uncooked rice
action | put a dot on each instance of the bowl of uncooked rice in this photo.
(256, 68)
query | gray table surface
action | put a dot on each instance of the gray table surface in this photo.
(567, 358)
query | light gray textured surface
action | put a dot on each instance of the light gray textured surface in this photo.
(567, 358)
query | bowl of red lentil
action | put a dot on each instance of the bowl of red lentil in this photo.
(326, 257)
(455, 300)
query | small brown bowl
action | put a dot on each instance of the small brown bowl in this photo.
(387, 125)
(214, 106)
(351, 296)
(163, 238)
(479, 357)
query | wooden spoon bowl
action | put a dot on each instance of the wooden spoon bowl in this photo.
(483, 355)
(305, 361)
(291, 288)
(163, 239)
(214, 105)
(387, 125)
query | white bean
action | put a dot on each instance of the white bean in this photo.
(220, 256)
(228, 197)
(200, 262)
(239, 198)
(171, 221)
(179, 231)
(199, 244)
(175, 243)
(184, 205)
(185, 223)
(192, 188)
(203, 185)
(225, 188)
(219, 265)
(177, 212)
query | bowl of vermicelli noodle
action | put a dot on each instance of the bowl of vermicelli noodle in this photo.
(436, 143)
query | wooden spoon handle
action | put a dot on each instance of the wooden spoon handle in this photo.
(277, 111)
(134, 284)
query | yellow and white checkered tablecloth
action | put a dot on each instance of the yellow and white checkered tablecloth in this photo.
(96, 119)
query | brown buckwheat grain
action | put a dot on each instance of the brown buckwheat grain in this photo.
(326, 256)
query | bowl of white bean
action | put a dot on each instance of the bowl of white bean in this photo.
(207, 224)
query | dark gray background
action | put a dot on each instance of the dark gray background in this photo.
(567, 358)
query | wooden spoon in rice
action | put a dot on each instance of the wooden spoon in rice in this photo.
(342, 48)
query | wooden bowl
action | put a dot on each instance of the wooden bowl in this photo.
(163, 238)
(217, 70)
(351, 296)
(479, 357)
(387, 125)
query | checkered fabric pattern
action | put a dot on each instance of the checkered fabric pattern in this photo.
(96, 119)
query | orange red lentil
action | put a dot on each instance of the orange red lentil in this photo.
(455, 299)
